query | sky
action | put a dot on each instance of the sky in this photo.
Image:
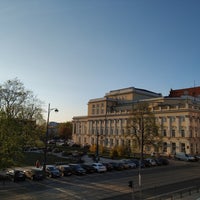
(70, 51)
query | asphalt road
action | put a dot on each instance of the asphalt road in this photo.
(107, 186)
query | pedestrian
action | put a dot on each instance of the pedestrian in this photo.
(37, 164)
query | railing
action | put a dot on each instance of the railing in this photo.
(179, 194)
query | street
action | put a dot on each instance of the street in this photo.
(109, 185)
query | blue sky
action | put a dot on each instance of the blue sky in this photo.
(70, 51)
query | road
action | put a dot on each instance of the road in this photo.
(105, 186)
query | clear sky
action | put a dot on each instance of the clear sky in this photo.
(70, 51)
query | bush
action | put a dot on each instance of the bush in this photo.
(114, 153)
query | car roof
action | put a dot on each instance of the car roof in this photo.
(62, 165)
(50, 166)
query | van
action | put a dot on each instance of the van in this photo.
(183, 156)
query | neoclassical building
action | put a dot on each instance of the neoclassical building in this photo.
(178, 116)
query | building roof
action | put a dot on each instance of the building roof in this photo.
(133, 89)
(193, 91)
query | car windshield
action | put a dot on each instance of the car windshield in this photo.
(52, 168)
(37, 172)
(66, 168)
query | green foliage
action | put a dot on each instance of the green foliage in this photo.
(65, 130)
(93, 148)
(114, 153)
(19, 111)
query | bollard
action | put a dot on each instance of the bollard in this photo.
(181, 195)
(197, 189)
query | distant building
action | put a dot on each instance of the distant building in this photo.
(194, 92)
(177, 114)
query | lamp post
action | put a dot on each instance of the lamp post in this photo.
(97, 149)
(47, 135)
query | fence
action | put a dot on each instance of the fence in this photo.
(179, 194)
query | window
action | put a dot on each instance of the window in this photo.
(106, 141)
(117, 142)
(111, 131)
(164, 119)
(92, 141)
(111, 142)
(182, 147)
(164, 147)
(172, 119)
(182, 118)
(173, 133)
(116, 131)
(173, 147)
(164, 133)
(182, 133)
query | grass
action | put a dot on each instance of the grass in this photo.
(30, 159)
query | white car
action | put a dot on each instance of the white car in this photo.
(99, 167)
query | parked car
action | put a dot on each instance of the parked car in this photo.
(88, 168)
(77, 169)
(197, 157)
(117, 166)
(125, 164)
(4, 176)
(142, 163)
(145, 163)
(99, 167)
(163, 161)
(129, 163)
(108, 166)
(52, 171)
(34, 173)
(185, 157)
(16, 174)
(151, 161)
(65, 170)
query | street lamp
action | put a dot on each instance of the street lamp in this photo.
(47, 134)
(97, 148)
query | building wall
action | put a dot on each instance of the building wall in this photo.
(179, 119)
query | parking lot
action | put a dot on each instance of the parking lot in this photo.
(99, 185)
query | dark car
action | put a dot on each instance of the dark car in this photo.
(34, 173)
(52, 171)
(4, 176)
(163, 161)
(77, 169)
(117, 166)
(139, 163)
(16, 174)
(109, 166)
(88, 168)
(65, 170)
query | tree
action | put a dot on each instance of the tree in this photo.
(65, 130)
(142, 127)
(20, 112)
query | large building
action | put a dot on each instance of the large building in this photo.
(178, 116)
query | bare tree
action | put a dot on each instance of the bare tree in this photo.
(142, 127)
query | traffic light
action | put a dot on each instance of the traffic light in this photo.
(130, 184)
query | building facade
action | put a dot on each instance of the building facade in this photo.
(106, 122)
